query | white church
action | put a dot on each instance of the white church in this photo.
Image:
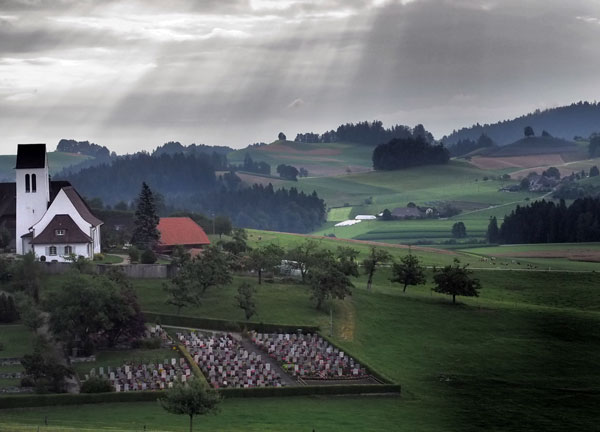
(50, 217)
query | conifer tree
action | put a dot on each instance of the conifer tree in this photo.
(145, 235)
(493, 233)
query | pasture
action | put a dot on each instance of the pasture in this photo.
(57, 161)
(523, 356)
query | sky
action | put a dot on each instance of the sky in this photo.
(132, 75)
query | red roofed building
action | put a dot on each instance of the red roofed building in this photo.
(180, 231)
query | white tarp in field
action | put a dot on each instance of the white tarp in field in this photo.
(347, 223)
(365, 217)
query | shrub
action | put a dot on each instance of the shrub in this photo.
(8, 309)
(96, 385)
(134, 254)
(149, 343)
(98, 257)
(148, 257)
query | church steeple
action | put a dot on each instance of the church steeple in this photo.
(33, 190)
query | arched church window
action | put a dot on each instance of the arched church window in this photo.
(33, 183)
(27, 185)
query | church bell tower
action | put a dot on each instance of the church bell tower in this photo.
(33, 191)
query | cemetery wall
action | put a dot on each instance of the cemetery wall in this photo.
(225, 325)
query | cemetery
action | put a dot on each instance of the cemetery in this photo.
(228, 361)
(309, 357)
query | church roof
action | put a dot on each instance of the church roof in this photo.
(181, 231)
(72, 233)
(81, 206)
(31, 156)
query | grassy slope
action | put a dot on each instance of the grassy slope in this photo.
(57, 161)
(340, 155)
(518, 358)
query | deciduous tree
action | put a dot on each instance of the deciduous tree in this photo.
(408, 271)
(245, 299)
(192, 399)
(456, 280)
(265, 258)
(376, 257)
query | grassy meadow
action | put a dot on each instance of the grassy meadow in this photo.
(57, 161)
(522, 356)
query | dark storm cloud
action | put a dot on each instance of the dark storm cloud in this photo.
(131, 73)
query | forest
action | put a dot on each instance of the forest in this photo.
(547, 222)
(368, 133)
(580, 119)
(408, 152)
(190, 182)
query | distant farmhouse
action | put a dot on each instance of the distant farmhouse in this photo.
(47, 217)
(181, 231)
(407, 213)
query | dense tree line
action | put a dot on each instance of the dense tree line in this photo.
(369, 133)
(288, 172)
(250, 165)
(408, 152)
(174, 147)
(566, 122)
(171, 175)
(84, 148)
(548, 222)
(464, 146)
(262, 207)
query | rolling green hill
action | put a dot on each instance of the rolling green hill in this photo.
(320, 159)
(535, 146)
(57, 161)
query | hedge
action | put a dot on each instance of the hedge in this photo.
(37, 400)
(345, 389)
(225, 325)
(193, 365)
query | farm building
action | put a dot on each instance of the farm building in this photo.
(407, 213)
(180, 231)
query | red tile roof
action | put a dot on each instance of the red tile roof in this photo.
(181, 231)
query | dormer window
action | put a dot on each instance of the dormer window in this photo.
(59, 232)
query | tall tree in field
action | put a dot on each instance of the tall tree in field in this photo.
(191, 399)
(347, 260)
(459, 230)
(145, 235)
(456, 280)
(493, 233)
(408, 271)
(265, 258)
(305, 255)
(245, 299)
(328, 281)
(376, 257)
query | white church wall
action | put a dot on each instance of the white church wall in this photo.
(77, 249)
